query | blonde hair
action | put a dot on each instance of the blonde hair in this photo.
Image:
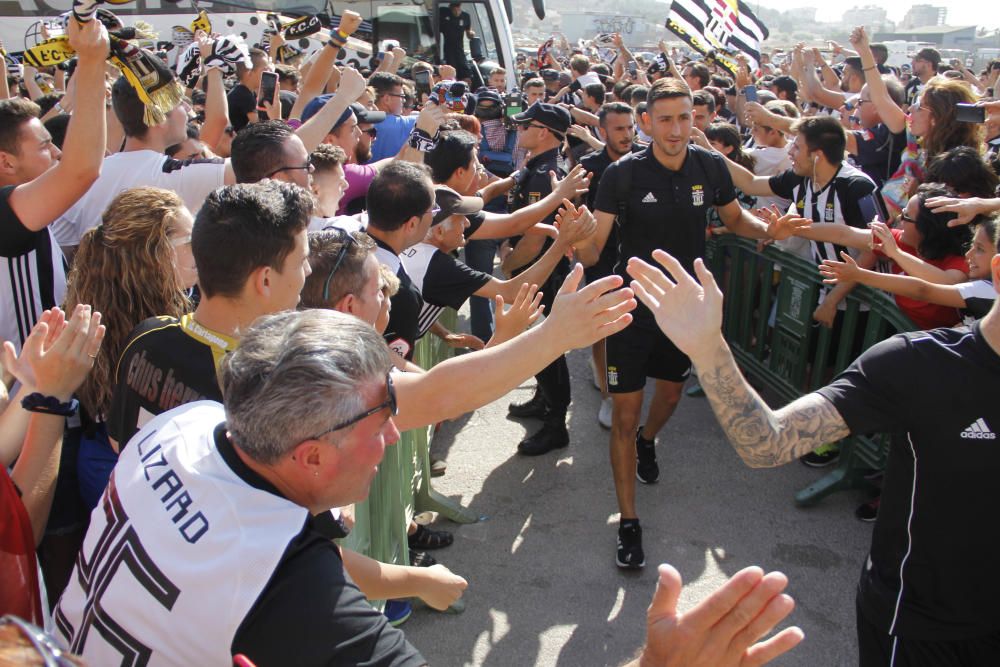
(389, 281)
(124, 268)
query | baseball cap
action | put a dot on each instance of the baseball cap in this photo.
(451, 203)
(551, 116)
(363, 114)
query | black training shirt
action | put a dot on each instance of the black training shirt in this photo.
(931, 573)
(665, 208)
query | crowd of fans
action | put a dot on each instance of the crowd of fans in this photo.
(211, 323)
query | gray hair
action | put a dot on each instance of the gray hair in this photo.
(294, 375)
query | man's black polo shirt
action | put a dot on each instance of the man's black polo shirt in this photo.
(665, 208)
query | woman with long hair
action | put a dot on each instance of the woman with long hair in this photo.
(932, 118)
(135, 265)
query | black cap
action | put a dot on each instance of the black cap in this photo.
(555, 118)
(487, 95)
(366, 115)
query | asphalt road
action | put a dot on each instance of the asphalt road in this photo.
(543, 585)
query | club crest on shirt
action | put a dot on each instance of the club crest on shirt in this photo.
(697, 195)
(829, 212)
(533, 197)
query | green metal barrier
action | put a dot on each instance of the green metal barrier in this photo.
(789, 356)
(402, 486)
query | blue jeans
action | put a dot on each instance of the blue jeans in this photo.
(479, 255)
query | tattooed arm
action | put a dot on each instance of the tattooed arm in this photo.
(691, 316)
(764, 437)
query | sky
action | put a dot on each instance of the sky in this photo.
(960, 12)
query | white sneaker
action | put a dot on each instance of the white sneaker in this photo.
(604, 414)
(598, 380)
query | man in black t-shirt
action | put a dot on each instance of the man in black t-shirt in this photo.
(928, 589)
(400, 211)
(455, 25)
(659, 196)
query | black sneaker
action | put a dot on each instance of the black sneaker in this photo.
(647, 470)
(868, 512)
(534, 407)
(822, 456)
(552, 435)
(630, 555)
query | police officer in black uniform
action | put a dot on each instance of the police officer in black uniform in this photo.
(659, 197)
(541, 130)
(455, 25)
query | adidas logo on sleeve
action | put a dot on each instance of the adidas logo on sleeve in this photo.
(978, 430)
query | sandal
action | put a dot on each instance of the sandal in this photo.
(425, 538)
(421, 559)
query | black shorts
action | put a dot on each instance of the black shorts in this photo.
(877, 648)
(642, 351)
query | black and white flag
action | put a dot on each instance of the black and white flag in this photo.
(720, 27)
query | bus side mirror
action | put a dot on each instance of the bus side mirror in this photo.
(539, 6)
(476, 49)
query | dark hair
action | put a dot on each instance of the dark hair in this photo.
(854, 62)
(453, 151)
(399, 192)
(963, 170)
(324, 249)
(258, 57)
(129, 109)
(601, 68)
(619, 89)
(722, 82)
(57, 126)
(701, 71)
(703, 98)
(668, 88)
(327, 157)
(287, 73)
(384, 82)
(823, 133)
(241, 228)
(14, 113)
(534, 82)
(47, 101)
(718, 94)
(938, 239)
(258, 150)
(613, 107)
(989, 224)
(193, 132)
(595, 90)
(638, 94)
(880, 52)
(727, 135)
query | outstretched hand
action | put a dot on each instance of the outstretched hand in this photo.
(524, 312)
(690, 314)
(723, 630)
(575, 183)
(882, 239)
(593, 313)
(575, 224)
(834, 272)
(781, 227)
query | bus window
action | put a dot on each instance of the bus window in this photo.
(481, 24)
(410, 25)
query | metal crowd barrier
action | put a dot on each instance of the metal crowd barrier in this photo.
(770, 297)
(402, 487)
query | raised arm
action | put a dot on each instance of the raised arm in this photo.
(316, 128)
(817, 91)
(578, 319)
(745, 180)
(888, 111)
(574, 225)
(690, 314)
(44, 199)
(884, 241)
(216, 108)
(500, 225)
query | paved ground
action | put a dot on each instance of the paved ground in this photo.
(544, 589)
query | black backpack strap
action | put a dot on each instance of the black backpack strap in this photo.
(623, 187)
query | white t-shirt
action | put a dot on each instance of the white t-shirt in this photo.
(192, 180)
(349, 223)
